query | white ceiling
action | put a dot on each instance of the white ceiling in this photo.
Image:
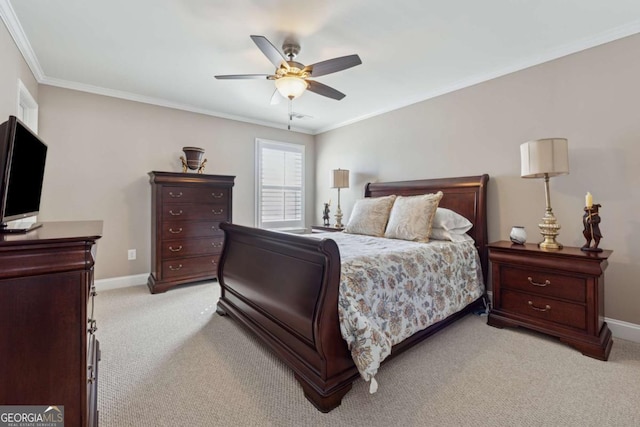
(166, 52)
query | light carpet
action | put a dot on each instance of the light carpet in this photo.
(170, 360)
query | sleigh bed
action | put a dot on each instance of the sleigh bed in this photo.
(285, 288)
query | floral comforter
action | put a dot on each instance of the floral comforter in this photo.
(391, 289)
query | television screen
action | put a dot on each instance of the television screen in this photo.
(23, 163)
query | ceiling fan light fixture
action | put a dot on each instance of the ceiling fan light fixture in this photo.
(291, 87)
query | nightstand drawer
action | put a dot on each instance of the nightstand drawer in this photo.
(548, 309)
(544, 283)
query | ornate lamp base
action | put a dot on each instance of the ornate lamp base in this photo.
(549, 230)
(339, 218)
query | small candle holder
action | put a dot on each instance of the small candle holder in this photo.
(591, 232)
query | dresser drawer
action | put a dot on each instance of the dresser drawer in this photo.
(191, 211)
(194, 266)
(552, 310)
(172, 230)
(544, 283)
(189, 247)
(195, 195)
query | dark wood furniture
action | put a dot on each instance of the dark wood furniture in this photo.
(289, 296)
(48, 350)
(560, 293)
(324, 228)
(186, 240)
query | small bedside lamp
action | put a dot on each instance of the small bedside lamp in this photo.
(545, 158)
(339, 179)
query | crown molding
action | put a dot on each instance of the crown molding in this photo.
(20, 38)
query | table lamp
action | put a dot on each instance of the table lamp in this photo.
(339, 179)
(544, 158)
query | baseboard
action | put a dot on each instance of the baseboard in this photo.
(624, 330)
(121, 282)
(619, 328)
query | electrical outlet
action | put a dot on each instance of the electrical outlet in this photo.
(131, 254)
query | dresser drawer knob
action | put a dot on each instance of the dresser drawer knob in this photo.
(172, 268)
(175, 213)
(546, 282)
(175, 195)
(216, 244)
(217, 212)
(178, 249)
(213, 261)
(214, 228)
(546, 307)
(217, 195)
(172, 231)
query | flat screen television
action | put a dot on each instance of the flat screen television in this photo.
(22, 163)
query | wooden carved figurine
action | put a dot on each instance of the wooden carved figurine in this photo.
(591, 223)
(325, 215)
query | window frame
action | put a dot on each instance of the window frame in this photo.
(260, 145)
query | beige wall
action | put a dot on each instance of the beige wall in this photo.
(12, 68)
(591, 98)
(101, 149)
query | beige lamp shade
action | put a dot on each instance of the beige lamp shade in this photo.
(548, 156)
(340, 178)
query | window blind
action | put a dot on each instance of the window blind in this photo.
(280, 185)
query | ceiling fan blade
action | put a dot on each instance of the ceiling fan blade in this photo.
(245, 76)
(269, 51)
(324, 90)
(332, 65)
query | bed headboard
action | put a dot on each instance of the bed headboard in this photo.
(465, 195)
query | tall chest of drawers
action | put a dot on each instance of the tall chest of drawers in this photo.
(186, 240)
(560, 293)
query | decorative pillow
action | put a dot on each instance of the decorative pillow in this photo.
(370, 216)
(411, 217)
(451, 235)
(451, 220)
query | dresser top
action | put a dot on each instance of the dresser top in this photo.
(188, 178)
(532, 249)
(55, 232)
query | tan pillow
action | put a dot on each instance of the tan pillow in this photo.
(411, 217)
(370, 216)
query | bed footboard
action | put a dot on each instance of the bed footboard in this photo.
(284, 288)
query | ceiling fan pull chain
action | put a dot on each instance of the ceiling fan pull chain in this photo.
(290, 113)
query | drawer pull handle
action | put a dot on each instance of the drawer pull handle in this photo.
(546, 307)
(175, 213)
(546, 282)
(217, 195)
(172, 268)
(216, 244)
(214, 228)
(213, 261)
(175, 196)
(216, 212)
(172, 231)
(178, 249)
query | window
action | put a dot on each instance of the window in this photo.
(27, 108)
(279, 185)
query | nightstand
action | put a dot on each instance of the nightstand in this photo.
(323, 229)
(560, 293)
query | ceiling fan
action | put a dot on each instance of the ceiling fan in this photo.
(293, 78)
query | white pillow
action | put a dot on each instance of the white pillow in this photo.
(442, 234)
(370, 216)
(411, 217)
(450, 220)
